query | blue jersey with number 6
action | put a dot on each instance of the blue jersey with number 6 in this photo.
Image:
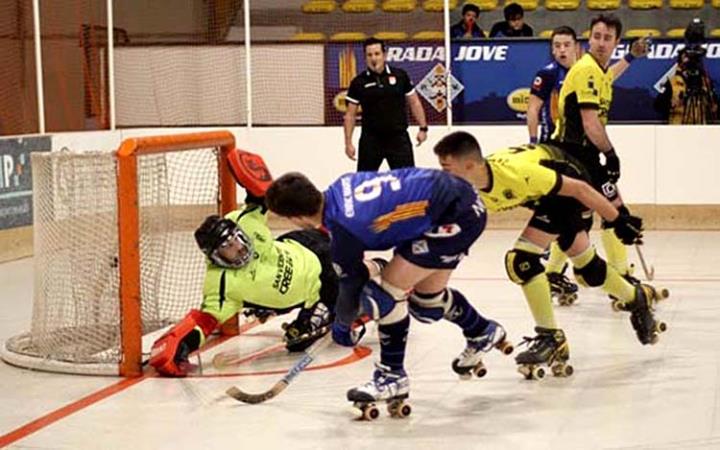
(384, 209)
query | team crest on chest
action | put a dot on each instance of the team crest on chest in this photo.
(392, 80)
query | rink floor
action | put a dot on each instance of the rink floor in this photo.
(622, 396)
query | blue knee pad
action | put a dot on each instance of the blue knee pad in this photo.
(429, 308)
(378, 303)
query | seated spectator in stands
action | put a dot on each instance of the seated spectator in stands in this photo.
(467, 28)
(514, 24)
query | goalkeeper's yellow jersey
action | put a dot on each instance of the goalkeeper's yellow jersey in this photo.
(281, 274)
(518, 176)
(586, 85)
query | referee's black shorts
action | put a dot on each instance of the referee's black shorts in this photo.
(376, 146)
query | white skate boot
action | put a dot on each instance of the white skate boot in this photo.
(392, 387)
(470, 360)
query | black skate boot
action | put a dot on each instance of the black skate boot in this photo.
(641, 315)
(548, 348)
(562, 289)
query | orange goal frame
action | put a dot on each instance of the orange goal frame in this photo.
(129, 224)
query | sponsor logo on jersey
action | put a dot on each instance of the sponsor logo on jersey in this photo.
(392, 80)
(518, 99)
(420, 247)
(447, 259)
(284, 274)
(609, 189)
(444, 231)
(537, 82)
(347, 191)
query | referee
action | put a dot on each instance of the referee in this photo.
(382, 91)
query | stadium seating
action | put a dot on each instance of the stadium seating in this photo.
(484, 5)
(528, 5)
(429, 36)
(675, 32)
(642, 32)
(603, 4)
(437, 5)
(309, 36)
(319, 6)
(358, 6)
(645, 4)
(562, 5)
(398, 6)
(545, 34)
(687, 4)
(391, 35)
(349, 36)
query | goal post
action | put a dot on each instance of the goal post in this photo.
(129, 223)
(115, 257)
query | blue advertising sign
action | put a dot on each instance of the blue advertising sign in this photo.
(491, 79)
(16, 179)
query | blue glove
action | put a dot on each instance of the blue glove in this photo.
(343, 335)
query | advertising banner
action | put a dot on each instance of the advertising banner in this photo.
(16, 179)
(491, 79)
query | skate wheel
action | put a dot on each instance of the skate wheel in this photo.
(617, 306)
(538, 373)
(370, 412)
(661, 327)
(663, 294)
(399, 409)
(562, 370)
(480, 371)
(505, 347)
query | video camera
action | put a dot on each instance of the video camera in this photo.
(693, 53)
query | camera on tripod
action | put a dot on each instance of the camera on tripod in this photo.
(691, 57)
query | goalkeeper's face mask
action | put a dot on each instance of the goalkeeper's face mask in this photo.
(234, 252)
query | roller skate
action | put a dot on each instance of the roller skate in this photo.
(392, 387)
(549, 348)
(656, 295)
(562, 289)
(641, 314)
(470, 360)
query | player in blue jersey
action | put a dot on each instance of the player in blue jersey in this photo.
(431, 219)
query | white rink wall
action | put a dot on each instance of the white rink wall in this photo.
(664, 165)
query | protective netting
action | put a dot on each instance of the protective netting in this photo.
(76, 313)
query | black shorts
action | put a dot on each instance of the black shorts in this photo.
(319, 243)
(562, 216)
(444, 246)
(589, 158)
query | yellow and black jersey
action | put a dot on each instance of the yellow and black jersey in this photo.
(521, 175)
(586, 85)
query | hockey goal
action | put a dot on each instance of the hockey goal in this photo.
(115, 256)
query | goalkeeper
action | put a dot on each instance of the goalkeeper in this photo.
(247, 269)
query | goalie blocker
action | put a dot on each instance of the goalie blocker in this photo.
(250, 171)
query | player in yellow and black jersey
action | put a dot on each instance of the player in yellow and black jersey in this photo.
(550, 182)
(583, 107)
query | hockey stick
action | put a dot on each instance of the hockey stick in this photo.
(649, 274)
(280, 386)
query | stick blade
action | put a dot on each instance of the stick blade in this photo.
(253, 399)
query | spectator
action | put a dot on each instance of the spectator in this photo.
(468, 28)
(514, 24)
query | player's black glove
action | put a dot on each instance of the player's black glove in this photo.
(628, 229)
(612, 166)
(310, 325)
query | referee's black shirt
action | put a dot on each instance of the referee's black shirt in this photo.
(382, 97)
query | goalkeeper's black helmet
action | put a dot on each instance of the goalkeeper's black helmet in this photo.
(216, 232)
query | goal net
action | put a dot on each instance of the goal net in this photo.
(115, 256)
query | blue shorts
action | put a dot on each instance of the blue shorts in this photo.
(444, 246)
